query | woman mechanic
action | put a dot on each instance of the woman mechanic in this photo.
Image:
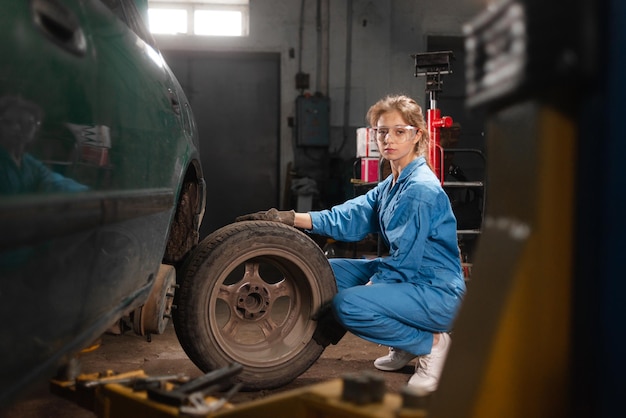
(408, 299)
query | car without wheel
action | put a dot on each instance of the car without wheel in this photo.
(101, 198)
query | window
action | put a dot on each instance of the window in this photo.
(167, 21)
(199, 17)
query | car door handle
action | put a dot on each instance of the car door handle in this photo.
(174, 100)
(60, 24)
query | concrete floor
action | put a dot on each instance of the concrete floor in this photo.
(163, 355)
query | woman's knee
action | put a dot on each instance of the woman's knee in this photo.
(350, 272)
(349, 308)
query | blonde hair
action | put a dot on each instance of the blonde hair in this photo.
(411, 112)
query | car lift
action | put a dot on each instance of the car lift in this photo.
(433, 65)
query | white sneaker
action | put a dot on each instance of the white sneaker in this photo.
(395, 360)
(429, 367)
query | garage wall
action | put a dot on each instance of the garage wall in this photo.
(384, 34)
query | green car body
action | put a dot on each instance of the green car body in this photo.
(100, 176)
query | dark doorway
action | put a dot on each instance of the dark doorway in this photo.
(235, 98)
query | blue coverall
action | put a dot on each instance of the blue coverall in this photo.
(32, 176)
(418, 288)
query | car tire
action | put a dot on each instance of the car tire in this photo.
(255, 293)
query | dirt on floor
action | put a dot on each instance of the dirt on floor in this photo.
(164, 356)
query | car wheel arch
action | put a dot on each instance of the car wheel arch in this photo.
(184, 229)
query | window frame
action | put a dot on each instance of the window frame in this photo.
(241, 6)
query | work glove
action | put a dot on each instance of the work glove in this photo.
(285, 216)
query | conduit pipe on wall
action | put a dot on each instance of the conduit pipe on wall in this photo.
(348, 77)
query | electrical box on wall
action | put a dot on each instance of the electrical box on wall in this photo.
(313, 121)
